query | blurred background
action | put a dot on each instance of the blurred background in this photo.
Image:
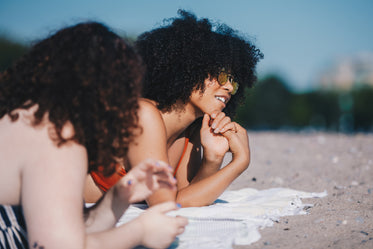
(317, 71)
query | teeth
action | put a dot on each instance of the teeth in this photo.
(221, 99)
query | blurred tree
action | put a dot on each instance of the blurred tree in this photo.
(9, 52)
(363, 108)
(300, 110)
(324, 109)
(267, 105)
(270, 105)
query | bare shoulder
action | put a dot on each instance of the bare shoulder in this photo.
(67, 155)
(152, 141)
(53, 165)
(149, 114)
(148, 106)
(30, 156)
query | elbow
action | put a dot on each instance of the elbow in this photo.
(192, 202)
(160, 196)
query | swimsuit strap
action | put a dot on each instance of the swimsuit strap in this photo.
(182, 155)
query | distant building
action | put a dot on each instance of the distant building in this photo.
(349, 72)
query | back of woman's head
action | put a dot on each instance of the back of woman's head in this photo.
(182, 54)
(84, 74)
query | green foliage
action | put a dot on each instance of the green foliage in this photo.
(363, 108)
(9, 52)
(270, 105)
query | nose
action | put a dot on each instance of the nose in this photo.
(229, 86)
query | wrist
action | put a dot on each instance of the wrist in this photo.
(212, 160)
(212, 157)
(137, 231)
(242, 162)
(209, 166)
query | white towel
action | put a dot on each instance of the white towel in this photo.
(234, 218)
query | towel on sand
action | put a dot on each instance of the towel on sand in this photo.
(234, 218)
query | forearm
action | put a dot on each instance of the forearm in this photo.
(106, 212)
(209, 166)
(128, 235)
(205, 191)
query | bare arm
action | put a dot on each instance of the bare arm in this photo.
(151, 143)
(52, 199)
(52, 190)
(210, 181)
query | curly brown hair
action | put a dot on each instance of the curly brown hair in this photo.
(85, 74)
(180, 55)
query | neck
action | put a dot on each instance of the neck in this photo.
(177, 120)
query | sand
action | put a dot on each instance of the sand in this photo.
(313, 162)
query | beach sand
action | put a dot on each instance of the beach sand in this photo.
(313, 162)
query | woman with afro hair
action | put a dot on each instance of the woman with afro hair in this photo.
(68, 107)
(196, 74)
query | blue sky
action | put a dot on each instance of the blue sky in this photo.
(299, 38)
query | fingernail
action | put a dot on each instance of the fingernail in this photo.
(157, 164)
(213, 115)
(129, 182)
(213, 126)
(170, 167)
(216, 131)
(178, 205)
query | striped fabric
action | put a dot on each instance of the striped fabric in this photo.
(12, 228)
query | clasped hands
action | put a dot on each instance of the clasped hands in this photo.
(219, 134)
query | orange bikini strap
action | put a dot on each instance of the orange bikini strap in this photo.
(182, 155)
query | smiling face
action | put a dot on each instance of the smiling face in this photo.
(213, 99)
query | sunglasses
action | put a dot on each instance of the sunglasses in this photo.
(224, 77)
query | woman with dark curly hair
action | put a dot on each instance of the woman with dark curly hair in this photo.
(195, 70)
(66, 108)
